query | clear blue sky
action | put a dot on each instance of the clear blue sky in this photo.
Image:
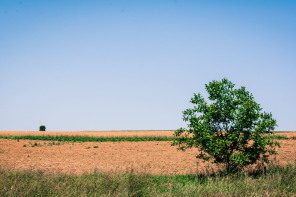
(129, 65)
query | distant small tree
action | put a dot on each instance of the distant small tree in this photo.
(42, 128)
(230, 129)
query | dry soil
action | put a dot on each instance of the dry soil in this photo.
(87, 157)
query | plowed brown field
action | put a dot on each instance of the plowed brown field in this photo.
(78, 158)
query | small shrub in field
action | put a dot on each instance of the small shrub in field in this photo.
(42, 128)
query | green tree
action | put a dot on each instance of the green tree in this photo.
(42, 128)
(230, 129)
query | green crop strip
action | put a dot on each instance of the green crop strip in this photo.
(86, 138)
(276, 137)
(63, 138)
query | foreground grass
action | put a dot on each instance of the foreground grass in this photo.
(278, 181)
(62, 138)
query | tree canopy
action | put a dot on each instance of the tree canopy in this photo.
(229, 129)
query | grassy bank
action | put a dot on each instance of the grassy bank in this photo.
(61, 138)
(278, 181)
